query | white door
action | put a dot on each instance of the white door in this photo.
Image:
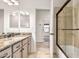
(42, 18)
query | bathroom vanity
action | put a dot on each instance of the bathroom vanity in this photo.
(12, 20)
(17, 47)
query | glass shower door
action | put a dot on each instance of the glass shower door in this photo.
(68, 29)
(65, 29)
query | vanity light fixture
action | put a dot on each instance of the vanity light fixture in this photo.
(6, 1)
(11, 2)
(15, 2)
(24, 13)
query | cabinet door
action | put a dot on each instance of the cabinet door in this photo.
(29, 45)
(16, 47)
(17, 54)
(25, 41)
(17, 50)
(25, 54)
(29, 48)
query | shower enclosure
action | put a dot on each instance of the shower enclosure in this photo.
(67, 28)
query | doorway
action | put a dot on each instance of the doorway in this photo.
(42, 32)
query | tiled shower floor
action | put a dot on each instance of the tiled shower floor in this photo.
(42, 51)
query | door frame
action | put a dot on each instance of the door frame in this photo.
(50, 49)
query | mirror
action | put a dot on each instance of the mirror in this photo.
(24, 19)
(11, 15)
(14, 18)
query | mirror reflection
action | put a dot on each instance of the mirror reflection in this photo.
(24, 19)
(14, 18)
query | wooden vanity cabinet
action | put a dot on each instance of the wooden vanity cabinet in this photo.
(25, 51)
(20, 49)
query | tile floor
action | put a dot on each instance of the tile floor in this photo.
(42, 51)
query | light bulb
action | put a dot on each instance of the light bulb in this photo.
(13, 0)
(21, 12)
(27, 13)
(6, 1)
(16, 3)
(10, 3)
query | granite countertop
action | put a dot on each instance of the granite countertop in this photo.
(6, 42)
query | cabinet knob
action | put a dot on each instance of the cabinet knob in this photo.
(22, 48)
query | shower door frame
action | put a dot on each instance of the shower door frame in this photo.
(57, 26)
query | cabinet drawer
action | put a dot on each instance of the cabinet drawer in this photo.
(6, 53)
(25, 41)
(17, 54)
(29, 40)
(16, 46)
